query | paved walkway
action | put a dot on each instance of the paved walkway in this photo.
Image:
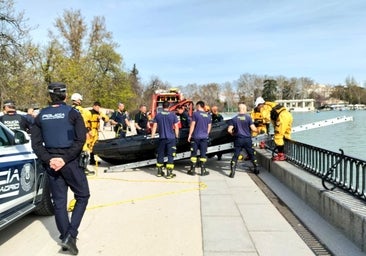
(238, 219)
(136, 213)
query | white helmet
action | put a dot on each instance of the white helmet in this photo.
(258, 101)
(76, 96)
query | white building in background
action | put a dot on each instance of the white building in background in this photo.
(303, 105)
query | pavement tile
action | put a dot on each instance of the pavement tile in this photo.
(218, 205)
(226, 234)
(279, 244)
(263, 217)
(215, 187)
(248, 195)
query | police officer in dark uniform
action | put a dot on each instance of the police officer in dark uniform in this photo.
(58, 136)
(241, 127)
(12, 119)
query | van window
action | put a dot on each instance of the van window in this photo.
(4, 141)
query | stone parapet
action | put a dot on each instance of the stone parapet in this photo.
(338, 207)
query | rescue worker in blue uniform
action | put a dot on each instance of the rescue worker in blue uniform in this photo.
(216, 118)
(167, 124)
(58, 136)
(12, 119)
(241, 126)
(198, 137)
(183, 117)
(142, 121)
(120, 120)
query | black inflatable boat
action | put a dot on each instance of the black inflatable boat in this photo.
(141, 147)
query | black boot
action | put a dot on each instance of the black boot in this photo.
(232, 169)
(192, 170)
(203, 170)
(169, 174)
(160, 172)
(69, 244)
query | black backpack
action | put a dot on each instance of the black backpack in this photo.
(275, 111)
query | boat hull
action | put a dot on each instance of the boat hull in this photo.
(139, 147)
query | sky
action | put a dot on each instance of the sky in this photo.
(216, 41)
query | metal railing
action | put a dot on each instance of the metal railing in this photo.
(338, 169)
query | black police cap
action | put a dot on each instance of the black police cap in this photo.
(56, 87)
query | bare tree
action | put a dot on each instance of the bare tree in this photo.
(230, 100)
(73, 29)
(210, 94)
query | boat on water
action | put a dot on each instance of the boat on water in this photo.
(141, 147)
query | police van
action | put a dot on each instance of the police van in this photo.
(23, 182)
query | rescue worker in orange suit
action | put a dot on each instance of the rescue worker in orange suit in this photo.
(96, 116)
(76, 99)
(57, 137)
(241, 126)
(281, 119)
(167, 123)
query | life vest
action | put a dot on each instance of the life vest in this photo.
(257, 116)
(94, 120)
(57, 131)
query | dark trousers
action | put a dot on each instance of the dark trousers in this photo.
(71, 175)
(239, 144)
(201, 145)
(166, 147)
